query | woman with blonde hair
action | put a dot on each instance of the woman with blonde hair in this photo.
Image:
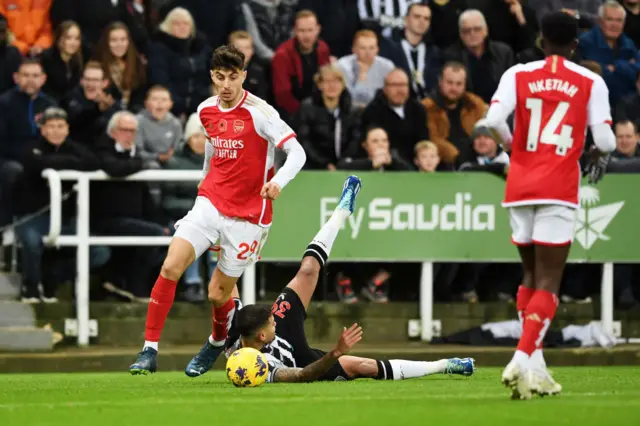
(179, 60)
(326, 124)
(122, 65)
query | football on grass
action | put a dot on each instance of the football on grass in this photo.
(247, 367)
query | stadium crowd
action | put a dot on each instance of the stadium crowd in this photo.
(367, 85)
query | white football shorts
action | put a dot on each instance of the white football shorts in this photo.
(550, 225)
(240, 241)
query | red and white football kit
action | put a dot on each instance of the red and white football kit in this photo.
(239, 160)
(554, 102)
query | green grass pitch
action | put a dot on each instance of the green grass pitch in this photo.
(602, 396)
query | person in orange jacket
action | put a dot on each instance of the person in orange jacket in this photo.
(29, 22)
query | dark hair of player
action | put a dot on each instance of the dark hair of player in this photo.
(559, 33)
(227, 58)
(252, 318)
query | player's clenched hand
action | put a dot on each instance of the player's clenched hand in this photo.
(596, 165)
(270, 191)
(348, 339)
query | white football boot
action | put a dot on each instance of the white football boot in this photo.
(540, 382)
(513, 377)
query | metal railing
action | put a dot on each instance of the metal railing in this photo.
(83, 240)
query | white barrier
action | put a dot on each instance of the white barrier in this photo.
(82, 240)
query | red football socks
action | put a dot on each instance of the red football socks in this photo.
(222, 317)
(523, 297)
(537, 318)
(162, 295)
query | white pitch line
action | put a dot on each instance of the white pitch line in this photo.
(288, 399)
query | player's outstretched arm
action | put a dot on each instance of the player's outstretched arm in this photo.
(315, 370)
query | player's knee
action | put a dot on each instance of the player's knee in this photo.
(309, 268)
(172, 268)
(217, 296)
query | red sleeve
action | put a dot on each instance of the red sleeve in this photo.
(282, 82)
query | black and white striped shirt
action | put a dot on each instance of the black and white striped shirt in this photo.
(386, 14)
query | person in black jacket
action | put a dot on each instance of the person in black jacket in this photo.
(485, 59)
(379, 156)
(53, 150)
(63, 61)
(179, 60)
(92, 16)
(404, 119)
(91, 105)
(326, 124)
(10, 58)
(125, 208)
(20, 109)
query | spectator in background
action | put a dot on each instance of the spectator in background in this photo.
(444, 21)
(614, 51)
(339, 21)
(90, 105)
(91, 15)
(413, 53)
(20, 110)
(452, 114)
(179, 60)
(29, 22)
(379, 156)
(402, 117)
(122, 65)
(486, 149)
(52, 150)
(258, 80)
(364, 71)
(217, 19)
(295, 63)
(585, 11)
(63, 61)
(628, 108)
(125, 208)
(159, 131)
(10, 58)
(632, 20)
(326, 125)
(269, 23)
(178, 200)
(513, 22)
(383, 17)
(427, 158)
(627, 139)
(485, 59)
(141, 17)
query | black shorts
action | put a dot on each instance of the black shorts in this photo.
(289, 314)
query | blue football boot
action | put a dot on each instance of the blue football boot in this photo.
(145, 363)
(204, 360)
(348, 198)
(462, 366)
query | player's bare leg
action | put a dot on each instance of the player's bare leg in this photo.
(399, 369)
(317, 252)
(180, 255)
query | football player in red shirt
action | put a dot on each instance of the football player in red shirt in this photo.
(553, 101)
(233, 208)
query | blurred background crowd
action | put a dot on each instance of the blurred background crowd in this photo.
(384, 85)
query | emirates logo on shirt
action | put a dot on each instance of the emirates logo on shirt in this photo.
(593, 219)
(227, 148)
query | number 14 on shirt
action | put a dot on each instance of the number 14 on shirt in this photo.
(562, 141)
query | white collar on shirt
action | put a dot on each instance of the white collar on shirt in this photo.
(120, 148)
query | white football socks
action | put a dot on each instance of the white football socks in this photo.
(148, 344)
(403, 370)
(329, 231)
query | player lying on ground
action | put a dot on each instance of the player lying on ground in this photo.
(233, 207)
(279, 330)
(554, 102)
